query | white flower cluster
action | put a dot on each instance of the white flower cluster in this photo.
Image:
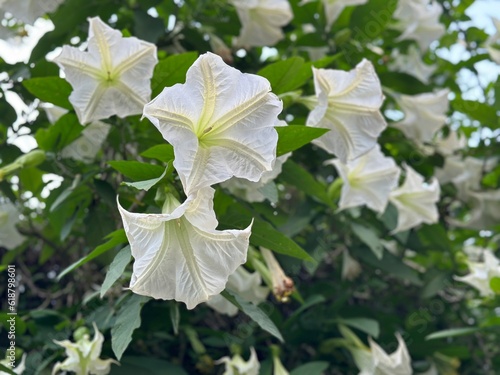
(221, 125)
(348, 104)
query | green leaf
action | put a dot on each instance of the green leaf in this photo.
(311, 368)
(136, 170)
(115, 238)
(292, 137)
(53, 90)
(389, 263)
(369, 326)
(145, 185)
(131, 365)
(297, 176)
(370, 20)
(287, 75)
(264, 234)
(59, 135)
(481, 112)
(7, 370)
(116, 268)
(254, 312)
(128, 318)
(453, 332)
(369, 238)
(171, 70)
(310, 302)
(163, 152)
(495, 284)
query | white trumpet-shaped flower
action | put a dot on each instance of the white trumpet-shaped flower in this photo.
(83, 356)
(412, 64)
(238, 366)
(482, 273)
(368, 180)
(261, 21)
(333, 8)
(27, 11)
(415, 201)
(10, 238)
(112, 77)
(425, 114)
(348, 103)
(419, 20)
(493, 42)
(179, 254)
(247, 285)
(220, 122)
(377, 362)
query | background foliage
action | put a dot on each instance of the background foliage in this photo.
(73, 233)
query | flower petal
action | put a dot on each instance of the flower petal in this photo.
(220, 122)
(348, 105)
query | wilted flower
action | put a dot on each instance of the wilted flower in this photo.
(238, 366)
(493, 42)
(261, 21)
(377, 362)
(415, 201)
(350, 266)
(83, 356)
(425, 114)
(333, 8)
(27, 11)
(412, 64)
(112, 77)
(247, 285)
(419, 20)
(283, 286)
(482, 273)
(220, 122)
(179, 254)
(220, 48)
(19, 369)
(348, 103)
(368, 180)
(9, 217)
